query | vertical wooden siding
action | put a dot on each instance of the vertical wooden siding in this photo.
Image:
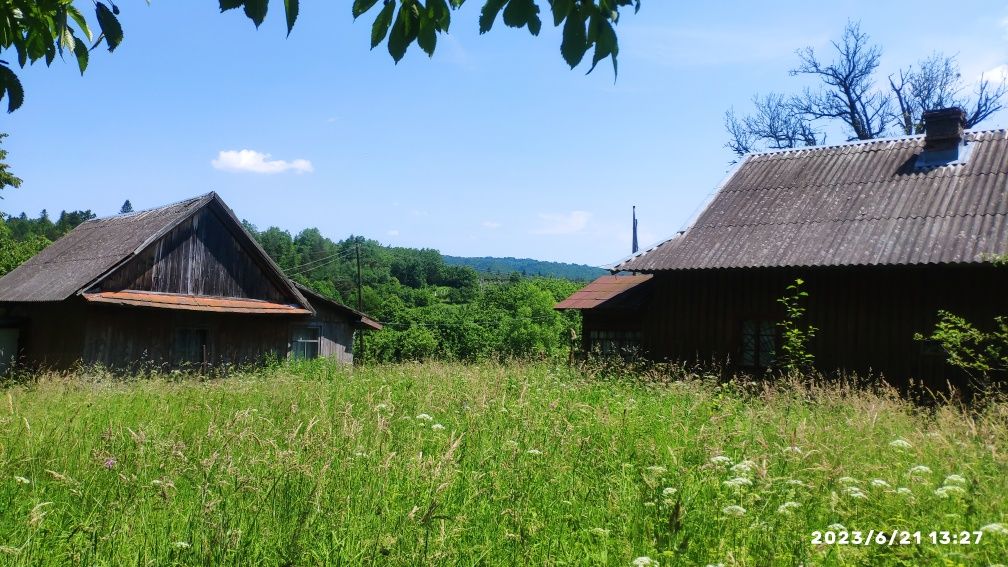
(198, 257)
(866, 316)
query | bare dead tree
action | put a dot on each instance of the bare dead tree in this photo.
(937, 83)
(848, 93)
(776, 123)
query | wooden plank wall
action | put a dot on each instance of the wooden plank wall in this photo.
(198, 257)
(866, 316)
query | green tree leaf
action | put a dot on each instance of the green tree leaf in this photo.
(561, 9)
(606, 45)
(575, 43)
(403, 32)
(109, 25)
(489, 13)
(226, 5)
(291, 8)
(11, 87)
(256, 10)
(82, 53)
(381, 24)
(427, 36)
(361, 6)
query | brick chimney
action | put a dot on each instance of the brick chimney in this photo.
(943, 128)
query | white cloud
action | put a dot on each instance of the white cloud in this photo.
(490, 224)
(563, 223)
(393, 232)
(997, 74)
(256, 162)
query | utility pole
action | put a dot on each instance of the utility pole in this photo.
(360, 300)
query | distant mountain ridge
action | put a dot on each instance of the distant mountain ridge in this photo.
(528, 267)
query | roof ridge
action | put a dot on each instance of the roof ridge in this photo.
(859, 143)
(152, 209)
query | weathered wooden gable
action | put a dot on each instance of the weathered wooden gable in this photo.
(205, 256)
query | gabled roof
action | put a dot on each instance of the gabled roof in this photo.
(608, 292)
(852, 204)
(358, 319)
(96, 248)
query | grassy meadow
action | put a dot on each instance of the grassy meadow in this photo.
(519, 464)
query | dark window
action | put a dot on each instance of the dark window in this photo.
(613, 342)
(8, 347)
(758, 344)
(305, 342)
(190, 348)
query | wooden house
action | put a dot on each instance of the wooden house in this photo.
(182, 285)
(885, 233)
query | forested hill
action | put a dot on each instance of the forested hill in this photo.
(527, 267)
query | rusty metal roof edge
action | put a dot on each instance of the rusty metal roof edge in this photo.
(107, 297)
(696, 214)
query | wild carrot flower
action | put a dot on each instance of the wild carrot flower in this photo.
(744, 467)
(793, 449)
(995, 528)
(837, 527)
(919, 470)
(181, 545)
(786, 507)
(738, 482)
(644, 561)
(796, 482)
(955, 479)
(904, 491)
(720, 460)
(900, 444)
(534, 452)
(847, 480)
(22, 480)
(657, 469)
(424, 417)
(437, 427)
(949, 490)
(733, 510)
(879, 483)
(668, 491)
(855, 492)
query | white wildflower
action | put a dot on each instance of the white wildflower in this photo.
(836, 528)
(668, 491)
(649, 504)
(644, 561)
(904, 491)
(900, 444)
(181, 545)
(715, 565)
(424, 417)
(786, 507)
(745, 467)
(847, 480)
(720, 460)
(796, 482)
(437, 427)
(855, 492)
(601, 532)
(919, 470)
(955, 479)
(995, 528)
(657, 469)
(879, 483)
(534, 452)
(949, 490)
(793, 449)
(738, 482)
(733, 510)
(22, 480)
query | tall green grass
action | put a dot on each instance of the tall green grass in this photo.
(319, 464)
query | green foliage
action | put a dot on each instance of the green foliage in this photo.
(503, 267)
(22, 237)
(41, 29)
(795, 356)
(313, 463)
(430, 309)
(980, 353)
(7, 179)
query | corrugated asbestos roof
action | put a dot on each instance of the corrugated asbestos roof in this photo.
(90, 250)
(605, 292)
(194, 303)
(851, 204)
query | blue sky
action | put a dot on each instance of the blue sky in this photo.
(493, 147)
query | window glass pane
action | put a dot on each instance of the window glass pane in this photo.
(305, 342)
(748, 354)
(766, 350)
